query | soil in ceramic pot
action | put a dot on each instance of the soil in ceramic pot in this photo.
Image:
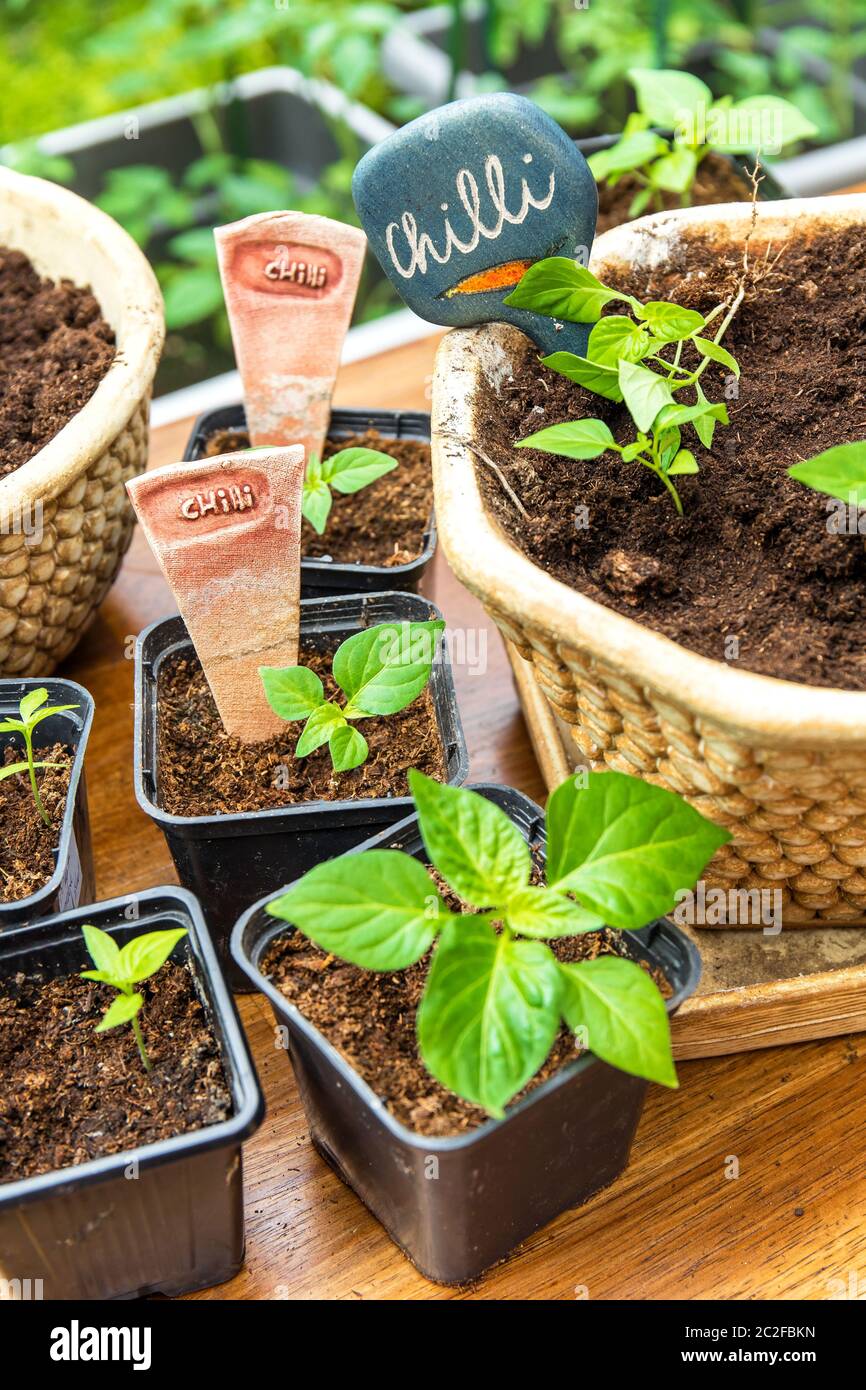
(203, 771)
(369, 1016)
(752, 558)
(716, 181)
(383, 524)
(27, 844)
(55, 348)
(69, 1094)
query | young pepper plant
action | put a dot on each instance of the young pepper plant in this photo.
(125, 967)
(379, 671)
(681, 102)
(624, 362)
(31, 711)
(619, 852)
(347, 471)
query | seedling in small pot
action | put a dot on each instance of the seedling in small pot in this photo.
(619, 853)
(125, 967)
(681, 102)
(31, 710)
(345, 472)
(379, 671)
(625, 362)
(290, 281)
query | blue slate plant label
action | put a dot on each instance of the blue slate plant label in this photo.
(460, 202)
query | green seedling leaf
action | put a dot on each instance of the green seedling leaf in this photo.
(625, 847)
(351, 469)
(383, 669)
(684, 462)
(123, 1010)
(604, 381)
(348, 748)
(322, 724)
(542, 912)
(616, 1006)
(144, 955)
(838, 472)
(562, 289)
(378, 910)
(669, 322)
(579, 439)
(707, 348)
(490, 1012)
(632, 152)
(473, 844)
(645, 393)
(293, 693)
(31, 702)
(103, 951)
(316, 504)
(615, 337)
(668, 97)
(759, 122)
(675, 172)
(13, 769)
(676, 415)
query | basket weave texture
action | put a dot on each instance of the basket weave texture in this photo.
(782, 766)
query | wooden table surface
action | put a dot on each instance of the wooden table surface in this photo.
(748, 1182)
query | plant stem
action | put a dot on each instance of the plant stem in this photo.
(28, 743)
(656, 468)
(136, 1028)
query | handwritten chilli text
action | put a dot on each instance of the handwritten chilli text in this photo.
(421, 245)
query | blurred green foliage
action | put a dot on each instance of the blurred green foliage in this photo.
(65, 61)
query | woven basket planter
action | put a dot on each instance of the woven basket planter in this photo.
(73, 489)
(782, 765)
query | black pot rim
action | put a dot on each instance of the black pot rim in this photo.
(430, 1143)
(84, 718)
(312, 565)
(221, 824)
(248, 1112)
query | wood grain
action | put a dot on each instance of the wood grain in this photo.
(676, 1225)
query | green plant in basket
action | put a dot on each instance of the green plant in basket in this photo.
(679, 101)
(626, 362)
(379, 672)
(619, 853)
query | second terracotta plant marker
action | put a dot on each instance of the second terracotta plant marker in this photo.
(290, 281)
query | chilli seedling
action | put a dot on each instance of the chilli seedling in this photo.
(625, 362)
(619, 852)
(680, 102)
(345, 472)
(839, 472)
(125, 967)
(31, 710)
(379, 671)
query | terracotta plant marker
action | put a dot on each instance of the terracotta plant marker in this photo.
(459, 203)
(226, 532)
(290, 281)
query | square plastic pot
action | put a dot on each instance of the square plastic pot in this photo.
(322, 578)
(229, 861)
(164, 1218)
(456, 1206)
(72, 881)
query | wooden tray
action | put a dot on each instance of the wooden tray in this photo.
(755, 990)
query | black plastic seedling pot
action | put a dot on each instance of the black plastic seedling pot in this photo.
(229, 861)
(320, 578)
(456, 1206)
(72, 881)
(164, 1218)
